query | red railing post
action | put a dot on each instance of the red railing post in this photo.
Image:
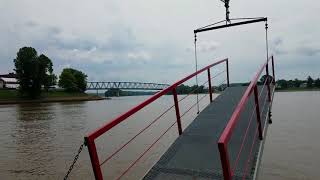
(256, 100)
(274, 77)
(94, 158)
(227, 66)
(210, 87)
(268, 81)
(176, 105)
(224, 161)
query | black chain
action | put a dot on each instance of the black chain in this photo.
(74, 162)
(226, 5)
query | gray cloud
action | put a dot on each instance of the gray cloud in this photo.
(308, 51)
(136, 40)
(31, 24)
(277, 46)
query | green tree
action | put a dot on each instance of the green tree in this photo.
(73, 80)
(317, 83)
(47, 77)
(50, 81)
(266, 77)
(183, 89)
(290, 83)
(309, 82)
(297, 83)
(32, 71)
(282, 83)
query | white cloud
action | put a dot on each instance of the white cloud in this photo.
(140, 55)
(205, 46)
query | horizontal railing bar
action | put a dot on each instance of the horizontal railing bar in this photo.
(249, 156)
(196, 103)
(150, 125)
(114, 122)
(264, 104)
(221, 83)
(225, 136)
(238, 156)
(190, 93)
(141, 131)
(242, 143)
(216, 75)
(261, 91)
(202, 85)
(193, 105)
(145, 151)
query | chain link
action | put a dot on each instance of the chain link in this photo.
(74, 161)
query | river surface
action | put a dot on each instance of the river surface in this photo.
(39, 141)
(292, 147)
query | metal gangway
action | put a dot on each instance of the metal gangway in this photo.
(225, 140)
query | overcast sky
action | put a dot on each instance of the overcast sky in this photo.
(152, 41)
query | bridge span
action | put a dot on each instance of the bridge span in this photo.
(125, 85)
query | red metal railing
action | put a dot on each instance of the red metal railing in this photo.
(90, 138)
(228, 168)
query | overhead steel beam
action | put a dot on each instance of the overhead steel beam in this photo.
(230, 25)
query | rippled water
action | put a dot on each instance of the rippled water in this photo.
(292, 146)
(39, 141)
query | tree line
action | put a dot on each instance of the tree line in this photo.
(35, 74)
(195, 89)
(296, 83)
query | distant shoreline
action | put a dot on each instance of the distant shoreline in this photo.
(53, 99)
(297, 89)
(11, 97)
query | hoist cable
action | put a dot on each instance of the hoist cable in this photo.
(212, 24)
(267, 48)
(196, 63)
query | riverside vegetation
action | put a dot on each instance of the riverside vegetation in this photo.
(37, 82)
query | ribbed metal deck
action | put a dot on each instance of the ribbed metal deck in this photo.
(195, 154)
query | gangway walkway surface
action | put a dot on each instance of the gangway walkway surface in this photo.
(225, 141)
(194, 155)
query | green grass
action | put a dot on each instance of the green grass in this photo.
(62, 94)
(8, 94)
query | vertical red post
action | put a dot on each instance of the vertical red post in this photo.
(210, 87)
(268, 81)
(256, 100)
(94, 158)
(176, 105)
(274, 77)
(227, 64)
(225, 161)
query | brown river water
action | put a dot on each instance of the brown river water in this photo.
(292, 146)
(39, 141)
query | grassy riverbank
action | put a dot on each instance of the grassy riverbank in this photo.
(12, 97)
